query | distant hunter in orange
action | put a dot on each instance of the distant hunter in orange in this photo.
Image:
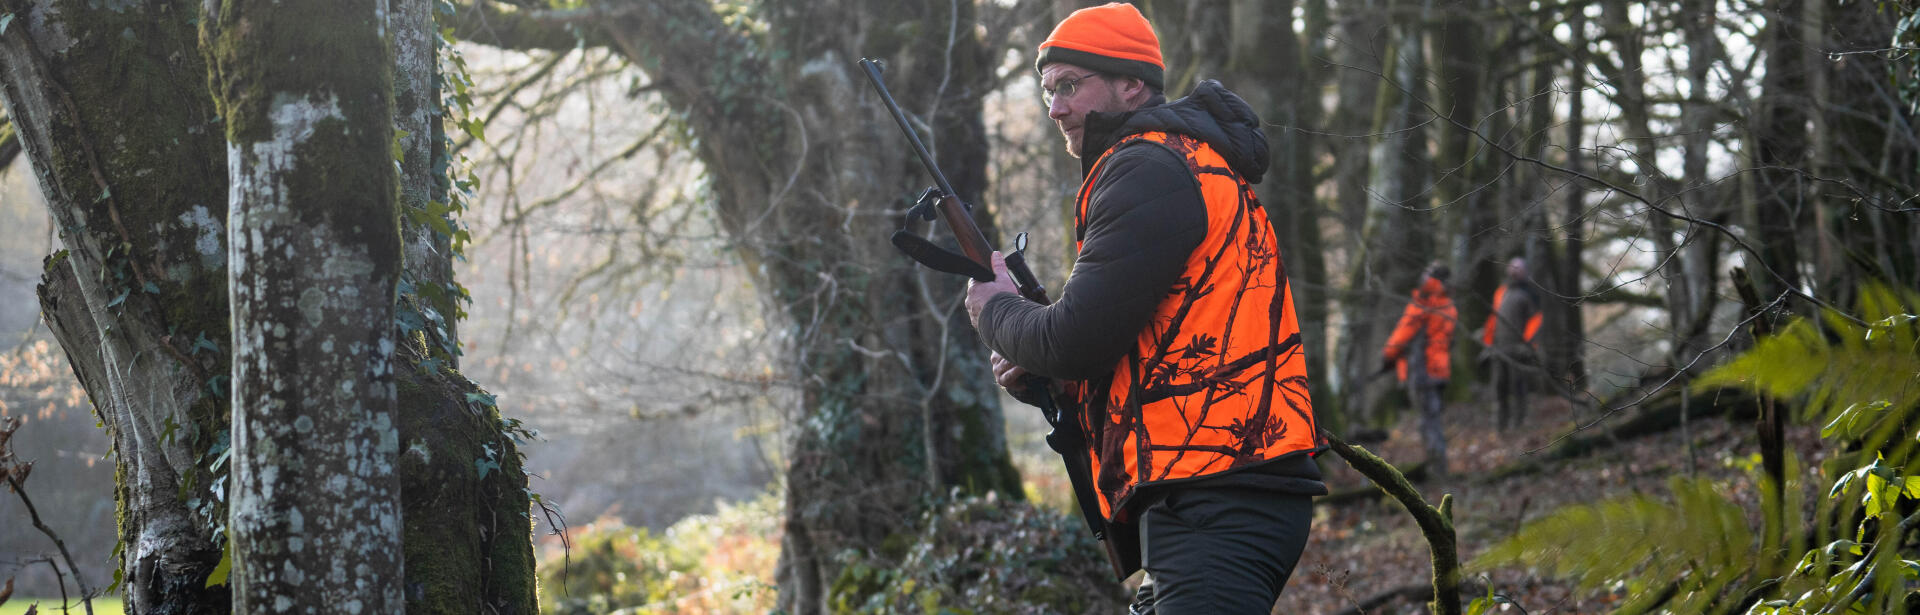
(1419, 350)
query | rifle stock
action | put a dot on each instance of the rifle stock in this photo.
(975, 260)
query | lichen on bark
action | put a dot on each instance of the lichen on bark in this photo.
(313, 252)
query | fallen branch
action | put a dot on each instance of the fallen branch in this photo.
(1416, 473)
(1435, 523)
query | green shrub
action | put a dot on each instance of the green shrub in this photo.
(983, 555)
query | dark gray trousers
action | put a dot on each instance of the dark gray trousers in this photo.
(1220, 550)
(1510, 388)
(1425, 395)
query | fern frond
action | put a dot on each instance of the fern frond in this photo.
(1841, 363)
(1641, 543)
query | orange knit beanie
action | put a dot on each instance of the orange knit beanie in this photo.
(1112, 38)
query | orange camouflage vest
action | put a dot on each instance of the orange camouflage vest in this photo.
(1217, 380)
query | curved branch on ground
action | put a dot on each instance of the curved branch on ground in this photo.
(1435, 523)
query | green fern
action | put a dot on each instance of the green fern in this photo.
(1696, 554)
(1697, 545)
(1840, 367)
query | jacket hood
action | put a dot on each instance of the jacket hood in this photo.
(1431, 293)
(1211, 113)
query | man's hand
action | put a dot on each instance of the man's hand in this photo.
(1008, 374)
(978, 293)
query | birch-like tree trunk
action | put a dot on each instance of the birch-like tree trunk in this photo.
(313, 261)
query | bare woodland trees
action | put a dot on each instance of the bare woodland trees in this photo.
(805, 181)
(142, 164)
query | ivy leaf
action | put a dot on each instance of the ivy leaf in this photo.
(5, 20)
(399, 153)
(122, 297)
(202, 342)
(221, 460)
(220, 572)
(480, 398)
(485, 466)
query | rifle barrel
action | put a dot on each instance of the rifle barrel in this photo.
(873, 74)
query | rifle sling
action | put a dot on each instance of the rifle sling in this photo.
(938, 258)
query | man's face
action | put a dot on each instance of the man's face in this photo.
(1077, 91)
(1516, 270)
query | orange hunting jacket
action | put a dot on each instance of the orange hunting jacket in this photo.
(1425, 327)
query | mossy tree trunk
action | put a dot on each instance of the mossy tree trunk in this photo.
(120, 133)
(808, 177)
(113, 109)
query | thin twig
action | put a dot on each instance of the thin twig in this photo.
(85, 594)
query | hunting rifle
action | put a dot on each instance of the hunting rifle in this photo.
(975, 261)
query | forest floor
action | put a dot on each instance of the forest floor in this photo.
(1363, 550)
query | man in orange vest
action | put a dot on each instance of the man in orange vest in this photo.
(1419, 350)
(1175, 336)
(1509, 338)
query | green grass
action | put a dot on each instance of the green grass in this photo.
(51, 606)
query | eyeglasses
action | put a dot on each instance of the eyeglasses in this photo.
(1064, 87)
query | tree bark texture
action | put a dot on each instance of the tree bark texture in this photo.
(423, 166)
(1358, 69)
(1780, 137)
(1566, 341)
(121, 136)
(112, 109)
(314, 257)
(808, 179)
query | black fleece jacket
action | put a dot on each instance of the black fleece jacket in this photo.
(1144, 217)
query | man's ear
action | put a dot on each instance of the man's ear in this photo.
(1131, 89)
